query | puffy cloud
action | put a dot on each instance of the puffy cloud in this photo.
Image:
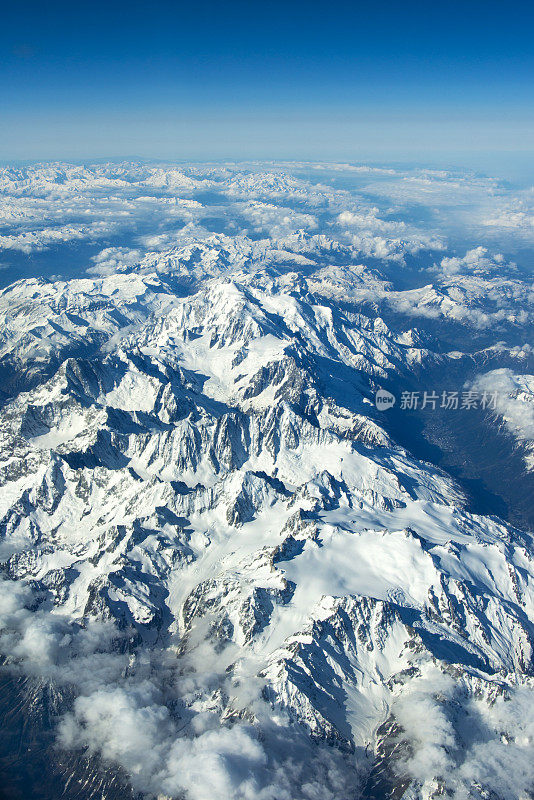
(274, 220)
(513, 398)
(51, 648)
(113, 259)
(512, 219)
(142, 710)
(379, 238)
(477, 745)
(510, 215)
(477, 261)
(368, 220)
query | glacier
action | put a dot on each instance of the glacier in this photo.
(225, 574)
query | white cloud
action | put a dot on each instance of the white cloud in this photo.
(514, 403)
(113, 259)
(384, 239)
(478, 745)
(274, 220)
(477, 261)
(145, 719)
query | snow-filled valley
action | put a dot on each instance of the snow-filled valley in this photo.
(225, 573)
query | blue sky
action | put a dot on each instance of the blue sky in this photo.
(206, 80)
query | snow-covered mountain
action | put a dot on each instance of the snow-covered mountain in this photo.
(222, 575)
